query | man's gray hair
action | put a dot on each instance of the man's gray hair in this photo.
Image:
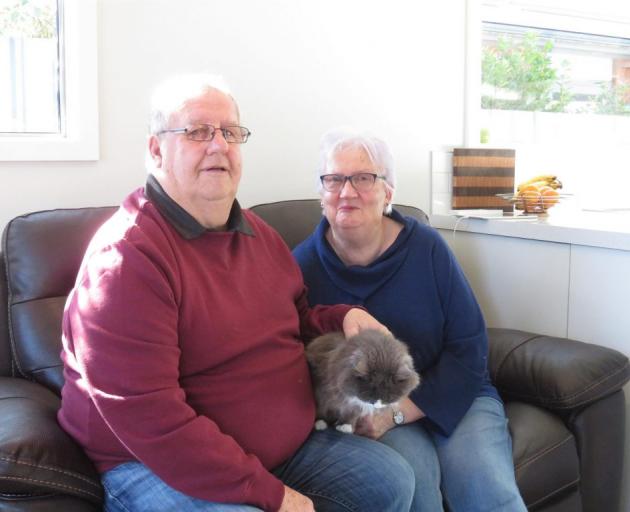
(171, 94)
(339, 139)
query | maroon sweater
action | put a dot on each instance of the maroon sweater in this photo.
(186, 354)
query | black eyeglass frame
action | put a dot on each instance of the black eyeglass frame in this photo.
(245, 132)
(341, 181)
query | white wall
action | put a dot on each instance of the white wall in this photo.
(297, 68)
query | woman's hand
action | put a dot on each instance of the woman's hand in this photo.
(375, 425)
(357, 320)
(293, 501)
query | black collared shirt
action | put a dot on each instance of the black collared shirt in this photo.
(185, 224)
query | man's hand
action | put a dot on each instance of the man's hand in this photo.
(357, 319)
(293, 501)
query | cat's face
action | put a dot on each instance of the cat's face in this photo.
(381, 369)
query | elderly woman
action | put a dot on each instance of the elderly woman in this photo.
(452, 429)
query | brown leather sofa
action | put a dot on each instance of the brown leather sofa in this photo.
(564, 398)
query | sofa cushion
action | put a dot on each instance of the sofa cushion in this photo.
(36, 456)
(42, 252)
(545, 453)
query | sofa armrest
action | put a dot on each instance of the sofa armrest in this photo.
(555, 373)
(36, 456)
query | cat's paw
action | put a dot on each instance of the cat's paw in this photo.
(321, 425)
(346, 428)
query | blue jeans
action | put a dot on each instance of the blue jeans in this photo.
(472, 470)
(339, 472)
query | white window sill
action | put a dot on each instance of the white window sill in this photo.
(609, 230)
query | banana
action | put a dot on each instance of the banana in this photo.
(555, 184)
(540, 177)
(550, 180)
(532, 185)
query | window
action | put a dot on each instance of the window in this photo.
(29, 44)
(48, 101)
(554, 84)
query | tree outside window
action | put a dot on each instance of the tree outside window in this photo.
(520, 73)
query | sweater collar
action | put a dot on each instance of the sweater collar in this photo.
(184, 223)
(363, 281)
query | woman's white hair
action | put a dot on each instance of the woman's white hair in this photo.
(339, 139)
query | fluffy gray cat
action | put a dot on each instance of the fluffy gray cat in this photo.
(354, 377)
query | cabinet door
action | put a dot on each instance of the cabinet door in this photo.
(519, 283)
(599, 297)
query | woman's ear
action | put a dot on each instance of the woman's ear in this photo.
(389, 194)
(155, 151)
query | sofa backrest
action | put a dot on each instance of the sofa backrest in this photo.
(5, 347)
(296, 219)
(42, 254)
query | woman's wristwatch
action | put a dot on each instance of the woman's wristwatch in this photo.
(398, 417)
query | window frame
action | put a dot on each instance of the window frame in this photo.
(80, 139)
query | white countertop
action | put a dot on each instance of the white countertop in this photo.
(610, 230)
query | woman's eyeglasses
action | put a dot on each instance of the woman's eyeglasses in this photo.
(362, 181)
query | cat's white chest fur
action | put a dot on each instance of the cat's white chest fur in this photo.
(367, 407)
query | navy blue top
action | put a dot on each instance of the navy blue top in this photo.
(418, 290)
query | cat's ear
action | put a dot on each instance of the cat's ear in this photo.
(411, 376)
(408, 362)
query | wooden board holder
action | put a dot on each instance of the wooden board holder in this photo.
(480, 174)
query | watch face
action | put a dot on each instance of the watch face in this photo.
(399, 418)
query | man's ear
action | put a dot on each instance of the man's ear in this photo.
(155, 151)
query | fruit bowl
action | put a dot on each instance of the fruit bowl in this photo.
(534, 203)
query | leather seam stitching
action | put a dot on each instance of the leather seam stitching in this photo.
(50, 468)
(14, 359)
(543, 453)
(508, 354)
(46, 368)
(26, 301)
(543, 498)
(553, 401)
(51, 484)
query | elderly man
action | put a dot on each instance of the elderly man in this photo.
(186, 381)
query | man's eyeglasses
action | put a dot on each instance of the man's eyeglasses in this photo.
(203, 132)
(362, 181)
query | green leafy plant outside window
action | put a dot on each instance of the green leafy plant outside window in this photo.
(522, 76)
(28, 18)
(519, 74)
